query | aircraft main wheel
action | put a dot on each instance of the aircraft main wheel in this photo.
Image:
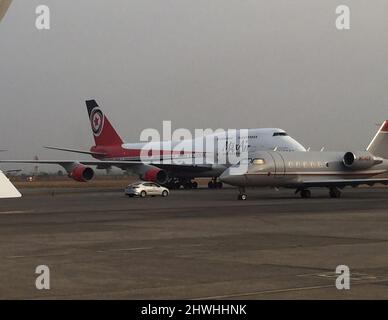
(143, 194)
(194, 185)
(305, 193)
(210, 185)
(187, 185)
(177, 186)
(335, 193)
(242, 196)
(165, 193)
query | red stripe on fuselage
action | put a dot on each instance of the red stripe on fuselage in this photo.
(118, 151)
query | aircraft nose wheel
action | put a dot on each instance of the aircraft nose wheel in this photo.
(335, 193)
(305, 193)
(242, 197)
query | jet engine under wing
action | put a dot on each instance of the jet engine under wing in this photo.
(7, 189)
(341, 183)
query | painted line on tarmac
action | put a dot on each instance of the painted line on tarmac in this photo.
(237, 295)
(125, 249)
(264, 292)
(16, 212)
(38, 256)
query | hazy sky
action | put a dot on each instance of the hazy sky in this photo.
(199, 63)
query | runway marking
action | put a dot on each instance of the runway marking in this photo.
(356, 276)
(16, 212)
(125, 249)
(264, 292)
(38, 256)
(284, 290)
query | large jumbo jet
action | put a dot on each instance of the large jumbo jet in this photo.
(110, 150)
(304, 170)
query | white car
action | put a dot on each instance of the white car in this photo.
(143, 189)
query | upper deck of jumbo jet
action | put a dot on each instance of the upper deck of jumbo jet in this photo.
(265, 138)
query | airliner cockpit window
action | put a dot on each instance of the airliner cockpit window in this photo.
(278, 134)
(258, 162)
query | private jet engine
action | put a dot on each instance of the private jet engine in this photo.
(360, 160)
(155, 174)
(81, 173)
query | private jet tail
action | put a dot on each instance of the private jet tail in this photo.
(7, 189)
(103, 132)
(379, 144)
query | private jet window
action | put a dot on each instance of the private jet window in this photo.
(258, 161)
(277, 134)
(290, 164)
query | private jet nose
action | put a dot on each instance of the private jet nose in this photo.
(233, 179)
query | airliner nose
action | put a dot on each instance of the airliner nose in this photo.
(232, 179)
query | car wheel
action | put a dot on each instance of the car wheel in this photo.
(143, 194)
(165, 193)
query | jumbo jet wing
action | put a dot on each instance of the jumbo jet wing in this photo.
(340, 183)
(101, 164)
(7, 189)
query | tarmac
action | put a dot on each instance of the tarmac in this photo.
(194, 244)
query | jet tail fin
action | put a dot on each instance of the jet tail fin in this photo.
(379, 144)
(103, 132)
(7, 189)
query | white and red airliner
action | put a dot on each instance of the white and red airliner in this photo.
(110, 150)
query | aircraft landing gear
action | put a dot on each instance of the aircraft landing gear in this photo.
(190, 185)
(334, 193)
(175, 184)
(242, 195)
(214, 184)
(305, 193)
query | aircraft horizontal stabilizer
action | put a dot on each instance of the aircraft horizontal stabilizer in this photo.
(77, 151)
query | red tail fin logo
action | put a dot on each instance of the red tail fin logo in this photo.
(103, 132)
(97, 121)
